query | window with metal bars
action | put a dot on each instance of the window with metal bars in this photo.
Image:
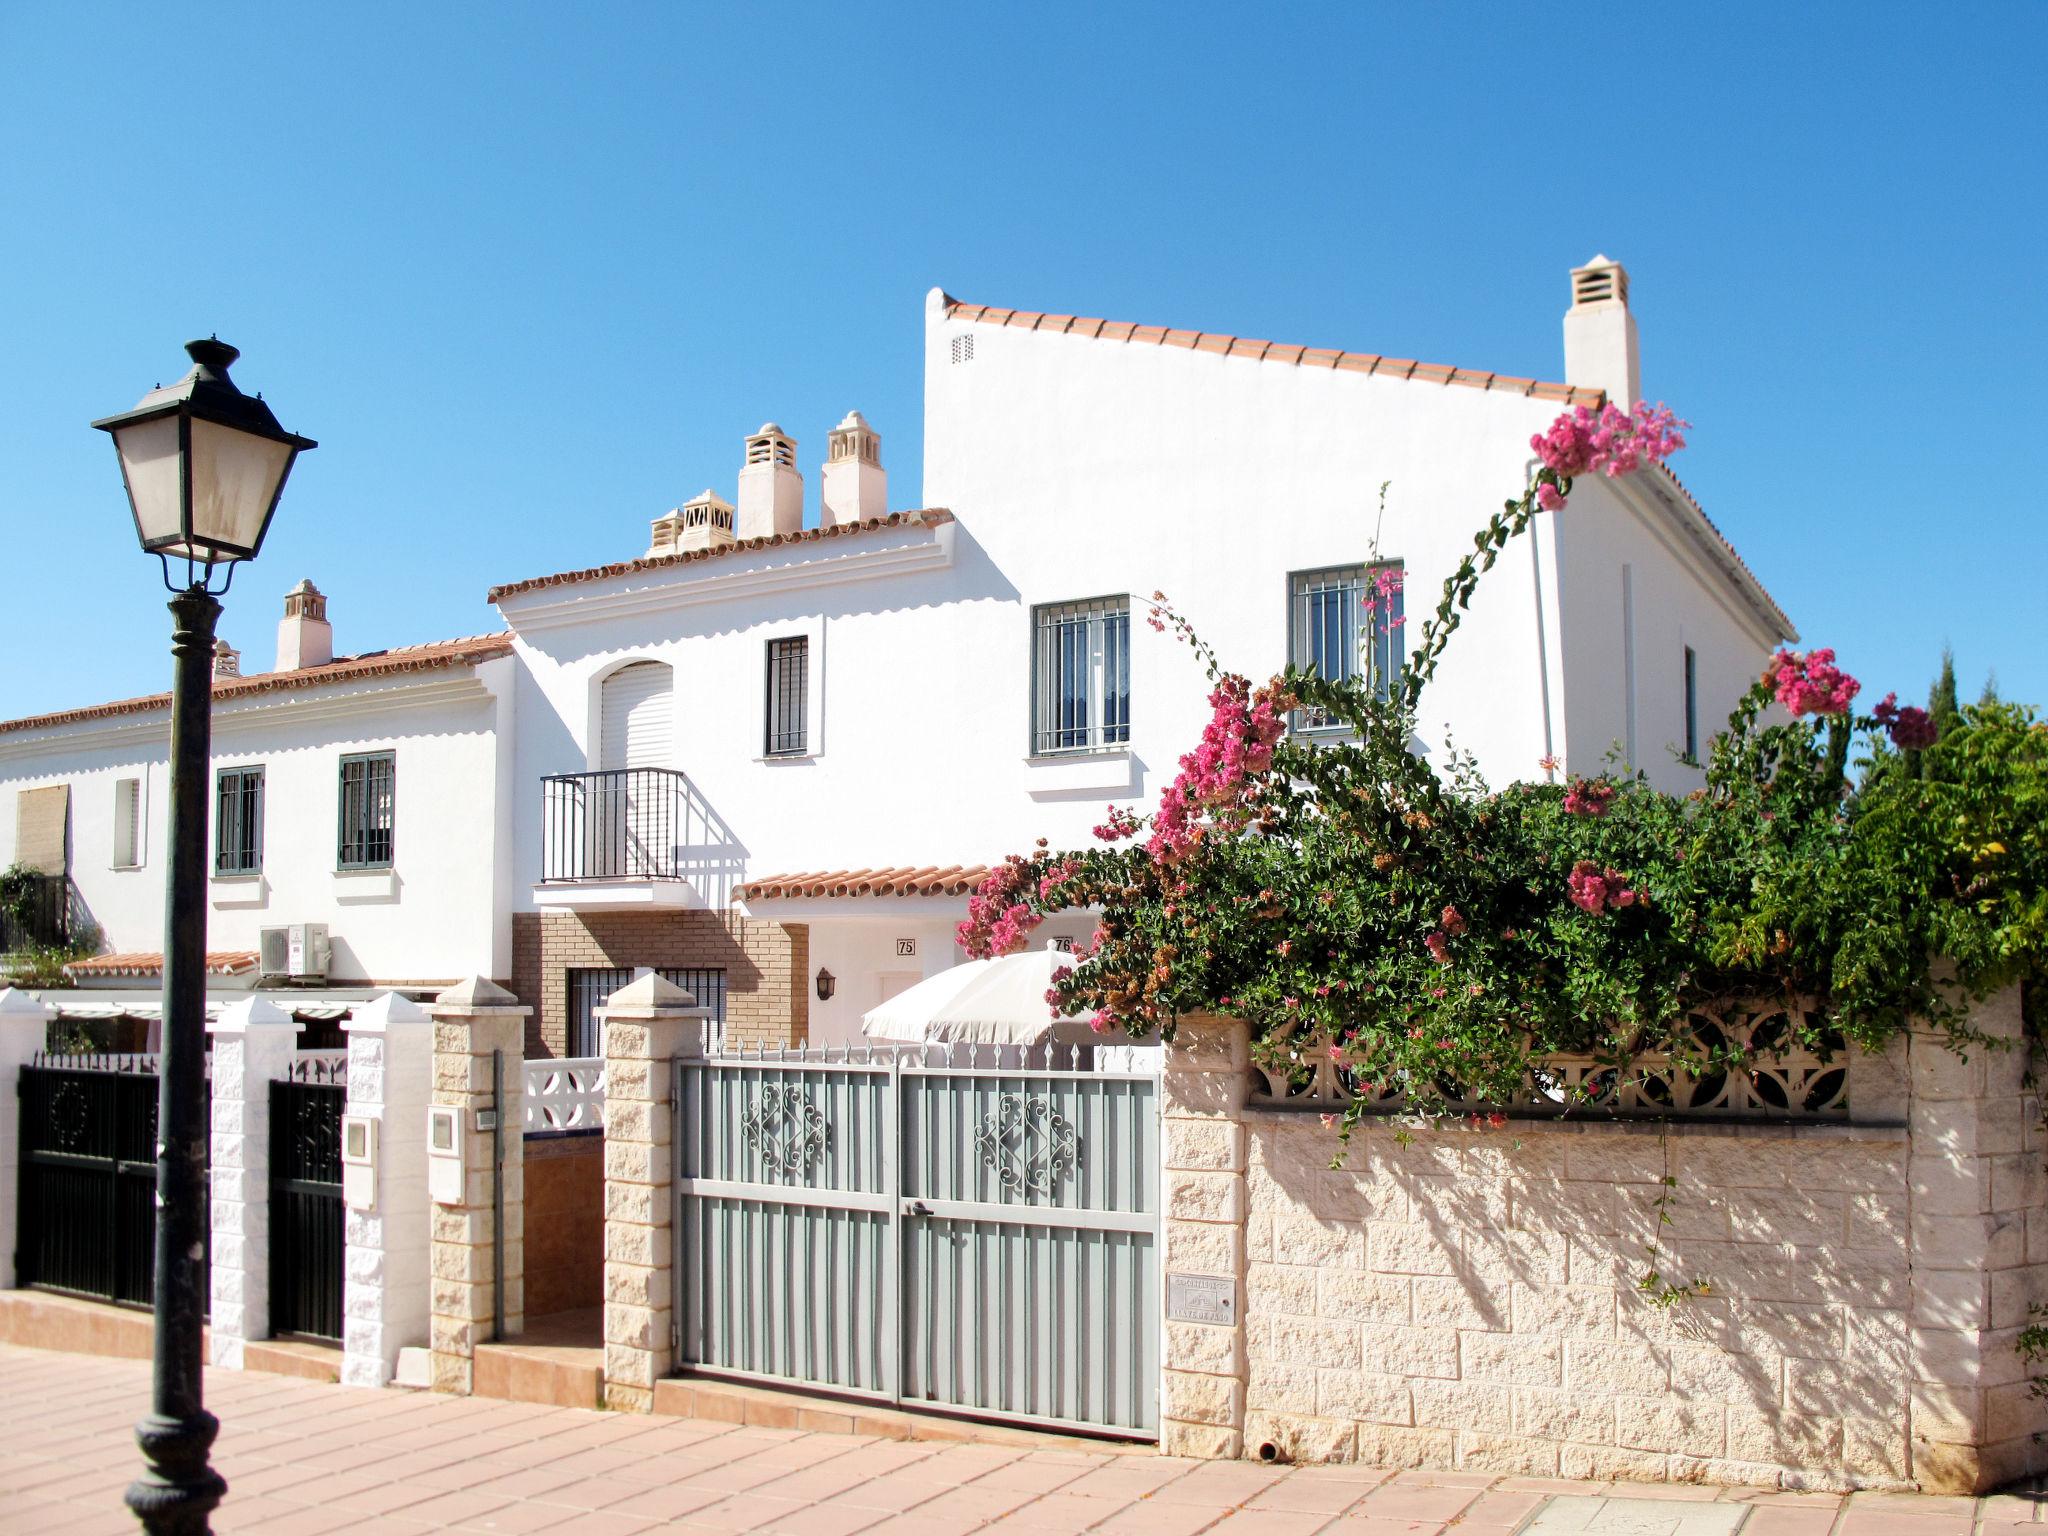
(1692, 707)
(369, 799)
(1081, 676)
(1345, 623)
(788, 705)
(238, 821)
(591, 989)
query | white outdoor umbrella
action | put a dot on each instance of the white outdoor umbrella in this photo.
(985, 1002)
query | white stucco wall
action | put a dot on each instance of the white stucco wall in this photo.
(442, 912)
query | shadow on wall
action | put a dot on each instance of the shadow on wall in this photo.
(709, 853)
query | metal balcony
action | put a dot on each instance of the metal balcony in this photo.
(628, 824)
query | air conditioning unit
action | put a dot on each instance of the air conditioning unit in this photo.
(297, 953)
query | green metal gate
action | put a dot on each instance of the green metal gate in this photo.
(958, 1232)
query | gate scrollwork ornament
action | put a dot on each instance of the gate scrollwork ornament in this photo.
(70, 1117)
(785, 1127)
(1030, 1145)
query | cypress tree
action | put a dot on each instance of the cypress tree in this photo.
(1941, 698)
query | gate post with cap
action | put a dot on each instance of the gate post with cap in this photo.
(24, 1031)
(385, 1228)
(648, 1026)
(253, 1044)
(479, 1041)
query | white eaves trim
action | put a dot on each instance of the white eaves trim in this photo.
(910, 551)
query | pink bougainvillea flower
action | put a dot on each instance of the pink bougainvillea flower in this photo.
(1593, 889)
(1453, 921)
(1549, 497)
(1336, 1053)
(1329, 1122)
(1613, 442)
(1914, 730)
(1811, 684)
(1549, 763)
(1439, 951)
(1117, 825)
(1589, 797)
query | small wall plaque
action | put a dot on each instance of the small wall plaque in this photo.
(906, 947)
(1201, 1299)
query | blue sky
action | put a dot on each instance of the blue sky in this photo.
(530, 272)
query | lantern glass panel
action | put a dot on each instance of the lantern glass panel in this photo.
(149, 460)
(235, 479)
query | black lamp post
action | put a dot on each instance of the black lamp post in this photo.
(204, 465)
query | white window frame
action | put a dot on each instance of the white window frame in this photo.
(1105, 625)
(1302, 587)
(130, 789)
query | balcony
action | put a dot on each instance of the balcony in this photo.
(626, 837)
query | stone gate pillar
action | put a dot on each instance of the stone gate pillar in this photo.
(253, 1044)
(24, 1030)
(647, 1026)
(1202, 1098)
(386, 1232)
(472, 1020)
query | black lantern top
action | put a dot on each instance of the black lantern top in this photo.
(204, 463)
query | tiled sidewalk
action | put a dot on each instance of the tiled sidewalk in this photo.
(303, 1457)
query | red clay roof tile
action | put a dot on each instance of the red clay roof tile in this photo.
(219, 962)
(346, 669)
(906, 880)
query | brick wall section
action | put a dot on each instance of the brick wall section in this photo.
(1470, 1299)
(767, 966)
(564, 1223)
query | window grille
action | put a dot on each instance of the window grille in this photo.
(1081, 676)
(590, 990)
(963, 349)
(1345, 623)
(238, 822)
(788, 677)
(1692, 707)
(127, 823)
(369, 796)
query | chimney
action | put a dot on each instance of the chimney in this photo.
(1600, 333)
(702, 522)
(227, 661)
(771, 487)
(304, 637)
(855, 486)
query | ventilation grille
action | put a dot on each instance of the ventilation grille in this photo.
(963, 349)
(1597, 285)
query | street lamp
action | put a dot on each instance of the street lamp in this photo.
(204, 465)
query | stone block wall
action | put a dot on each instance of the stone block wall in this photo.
(766, 965)
(1472, 1298)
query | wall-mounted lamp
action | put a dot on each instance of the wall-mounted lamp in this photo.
(827, 983)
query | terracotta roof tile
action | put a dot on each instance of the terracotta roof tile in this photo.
(1305, 357)
(908, 880)
(219, 962)
(410, 658)
(929, 517)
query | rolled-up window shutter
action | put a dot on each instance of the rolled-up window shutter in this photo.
(40, 818)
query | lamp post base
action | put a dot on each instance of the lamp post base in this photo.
(178, 1492)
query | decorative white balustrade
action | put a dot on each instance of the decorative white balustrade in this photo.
(1742, 1061)
(564, 1093)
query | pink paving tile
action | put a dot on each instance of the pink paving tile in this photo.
(1425, 1477)
(744, 1512)
(670, 1503)
(1501, 1507)
(823, 1520)
(1779, 1520)
(1266, 1522)
(975, 1500)
(1411, 1501)
(1883, 1522)
(1150, 1517)
(515, 1520)
(1061, 1512)
(590, 1493)
(458, 1504)
(922, 1525)
(1364, 1525)
(602, 1522)
(1034, 1475)
(1308, 1494)
(1128, 1477)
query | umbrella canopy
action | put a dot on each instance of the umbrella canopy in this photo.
(985, 1002)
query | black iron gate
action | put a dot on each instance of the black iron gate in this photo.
(305, 1199)
(88, 1176)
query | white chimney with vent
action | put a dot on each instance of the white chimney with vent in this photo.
(703, 522)
(227, 661)
(771, 486)
(304, 637)
(855, 487)
(1600, 334)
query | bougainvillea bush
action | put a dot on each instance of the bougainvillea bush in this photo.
(1436, 936)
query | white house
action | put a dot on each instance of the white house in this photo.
(769, 753)
(784, 751)
(357, 819)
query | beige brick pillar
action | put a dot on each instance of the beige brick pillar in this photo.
(647, 1026)
(472, 1020)
(1978, 1195)
(1203, 1094)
